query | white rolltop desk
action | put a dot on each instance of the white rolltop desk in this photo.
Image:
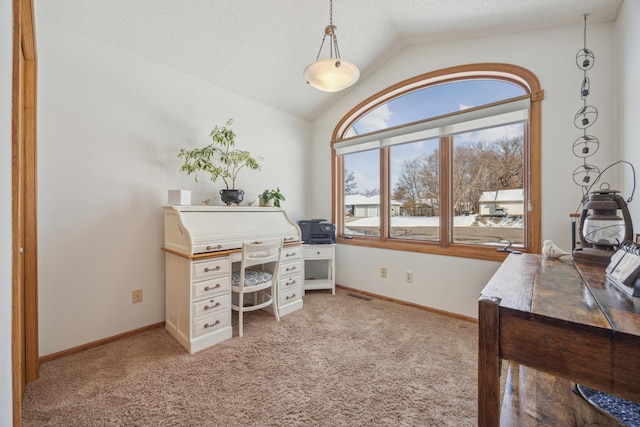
(202, 243)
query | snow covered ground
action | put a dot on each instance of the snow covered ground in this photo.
(433, 221)
(469, 229)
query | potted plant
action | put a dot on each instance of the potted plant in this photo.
(269, 197)
(221, 160)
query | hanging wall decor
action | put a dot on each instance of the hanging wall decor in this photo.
(586, 145)
(601, 230)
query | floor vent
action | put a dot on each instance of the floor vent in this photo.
(360, 297)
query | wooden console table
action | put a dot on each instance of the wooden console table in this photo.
(557, 318)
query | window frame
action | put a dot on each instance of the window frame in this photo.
(445, 246)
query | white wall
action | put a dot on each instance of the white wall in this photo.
(628, 62)
(110, 125)
(6, 69)
(454, 284)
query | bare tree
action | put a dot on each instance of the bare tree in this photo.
(350, 185)
(507, 167)
(487, 166)
(418, 185)
(430, 174)
(478, 167)
(410, 186)
(470, 176)
(371, 192)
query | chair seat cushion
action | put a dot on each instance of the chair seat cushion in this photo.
(252, 277)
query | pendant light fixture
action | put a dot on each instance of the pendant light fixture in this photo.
(333, 74)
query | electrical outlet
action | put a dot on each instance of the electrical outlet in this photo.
(408, 276)
(383, 273)
(136, 296)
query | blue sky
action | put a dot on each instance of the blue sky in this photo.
(429, 102)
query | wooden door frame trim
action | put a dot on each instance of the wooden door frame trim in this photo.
(24, 321)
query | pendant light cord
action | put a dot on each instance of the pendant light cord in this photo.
(330, 30)
(331, 13)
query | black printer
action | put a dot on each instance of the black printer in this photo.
(317, 232)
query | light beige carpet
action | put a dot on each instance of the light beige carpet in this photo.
(340, 361)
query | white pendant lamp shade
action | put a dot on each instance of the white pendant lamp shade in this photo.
(331, 75)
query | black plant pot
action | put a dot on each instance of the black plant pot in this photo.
(231, 196)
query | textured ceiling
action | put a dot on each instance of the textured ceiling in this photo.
(259, 48)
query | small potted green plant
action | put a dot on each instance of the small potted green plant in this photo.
(269, 197)
(221, 160)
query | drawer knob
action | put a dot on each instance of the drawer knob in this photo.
(290, 296)
(210, 288)
(211, 248)
(290, 282)
(206, 270)
(216, 323)
(291, 268)
(209, 307)
(291, 254)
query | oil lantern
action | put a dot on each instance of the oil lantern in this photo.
(601, 229)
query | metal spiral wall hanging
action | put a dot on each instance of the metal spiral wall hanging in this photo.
(586, 145)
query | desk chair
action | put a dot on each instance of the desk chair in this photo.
(258, 276)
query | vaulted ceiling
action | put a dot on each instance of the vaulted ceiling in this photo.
(259, 48)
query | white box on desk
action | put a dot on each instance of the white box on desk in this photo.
(180, 197)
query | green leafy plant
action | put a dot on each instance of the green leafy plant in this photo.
(275, 195)
(220, 158)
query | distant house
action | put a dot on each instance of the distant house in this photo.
(420, 208)
(502, 203)
(361, 206)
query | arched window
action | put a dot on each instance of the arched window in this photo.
(447, 162)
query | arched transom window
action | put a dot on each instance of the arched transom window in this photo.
(447, 162)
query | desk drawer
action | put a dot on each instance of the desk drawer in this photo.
(210, 268)
(211, 305)
(290, 253)
(211, 323)
(211, 287)
(287, 296)
(318, 251)
(289, 268)
(290, 282)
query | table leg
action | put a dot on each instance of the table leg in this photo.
(488, 362)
